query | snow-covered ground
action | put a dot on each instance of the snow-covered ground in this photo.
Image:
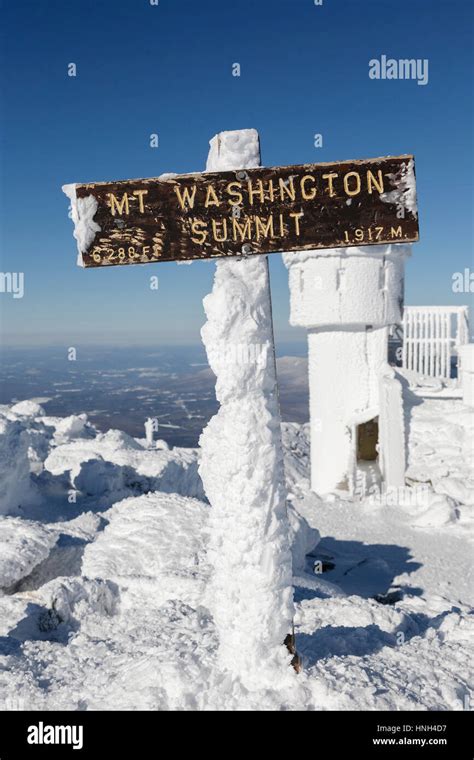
(103, 574)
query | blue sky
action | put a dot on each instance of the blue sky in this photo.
(167, 69)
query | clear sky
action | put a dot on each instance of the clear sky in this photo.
(167, 69)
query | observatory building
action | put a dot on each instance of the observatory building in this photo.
(347, 299)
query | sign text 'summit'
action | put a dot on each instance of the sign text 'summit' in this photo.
(264, 210)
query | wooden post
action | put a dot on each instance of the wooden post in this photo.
(250, 594)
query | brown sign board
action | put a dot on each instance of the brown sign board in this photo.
(263, 210)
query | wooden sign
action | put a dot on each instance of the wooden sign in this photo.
(263, 210)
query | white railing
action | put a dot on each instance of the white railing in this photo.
(431, 336)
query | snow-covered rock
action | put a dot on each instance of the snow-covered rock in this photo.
(303, 537)
(458, 489)
(15, 482)
(96, 477)
(158, 536)
(296, 456)
(70, 428)
(441, 446)
(68, 600)
(27, 409)
(114, 462)
(84, 526)
(23, 545)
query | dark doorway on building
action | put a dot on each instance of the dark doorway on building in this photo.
(367, 440)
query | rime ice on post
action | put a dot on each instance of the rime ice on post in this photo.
(242, 462)
(82, 214)
(347, 298)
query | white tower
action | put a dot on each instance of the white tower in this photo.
(149, 430)
(347, 298)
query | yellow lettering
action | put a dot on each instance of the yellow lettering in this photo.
(264, 229)
(346, 183)
(287, 187)
(330, 178)
(271, 190)
(308, 196)
(211, 198)
(140, 194)
(120, 206)
(282, 226)
(396, 232)
(231, 191)
(244, 230)
(188, 196)
(297, 217)
(215, 224)
(196, 231)
(371, 180)
(259, 191)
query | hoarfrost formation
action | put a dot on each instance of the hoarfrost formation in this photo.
(242, 461)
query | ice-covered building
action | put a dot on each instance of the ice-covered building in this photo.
(347, 299)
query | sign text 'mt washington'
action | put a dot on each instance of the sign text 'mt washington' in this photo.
(264, 210)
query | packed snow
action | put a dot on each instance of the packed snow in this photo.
(105, 578)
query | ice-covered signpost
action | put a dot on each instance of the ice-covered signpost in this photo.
(232, 211)
(242, 459)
